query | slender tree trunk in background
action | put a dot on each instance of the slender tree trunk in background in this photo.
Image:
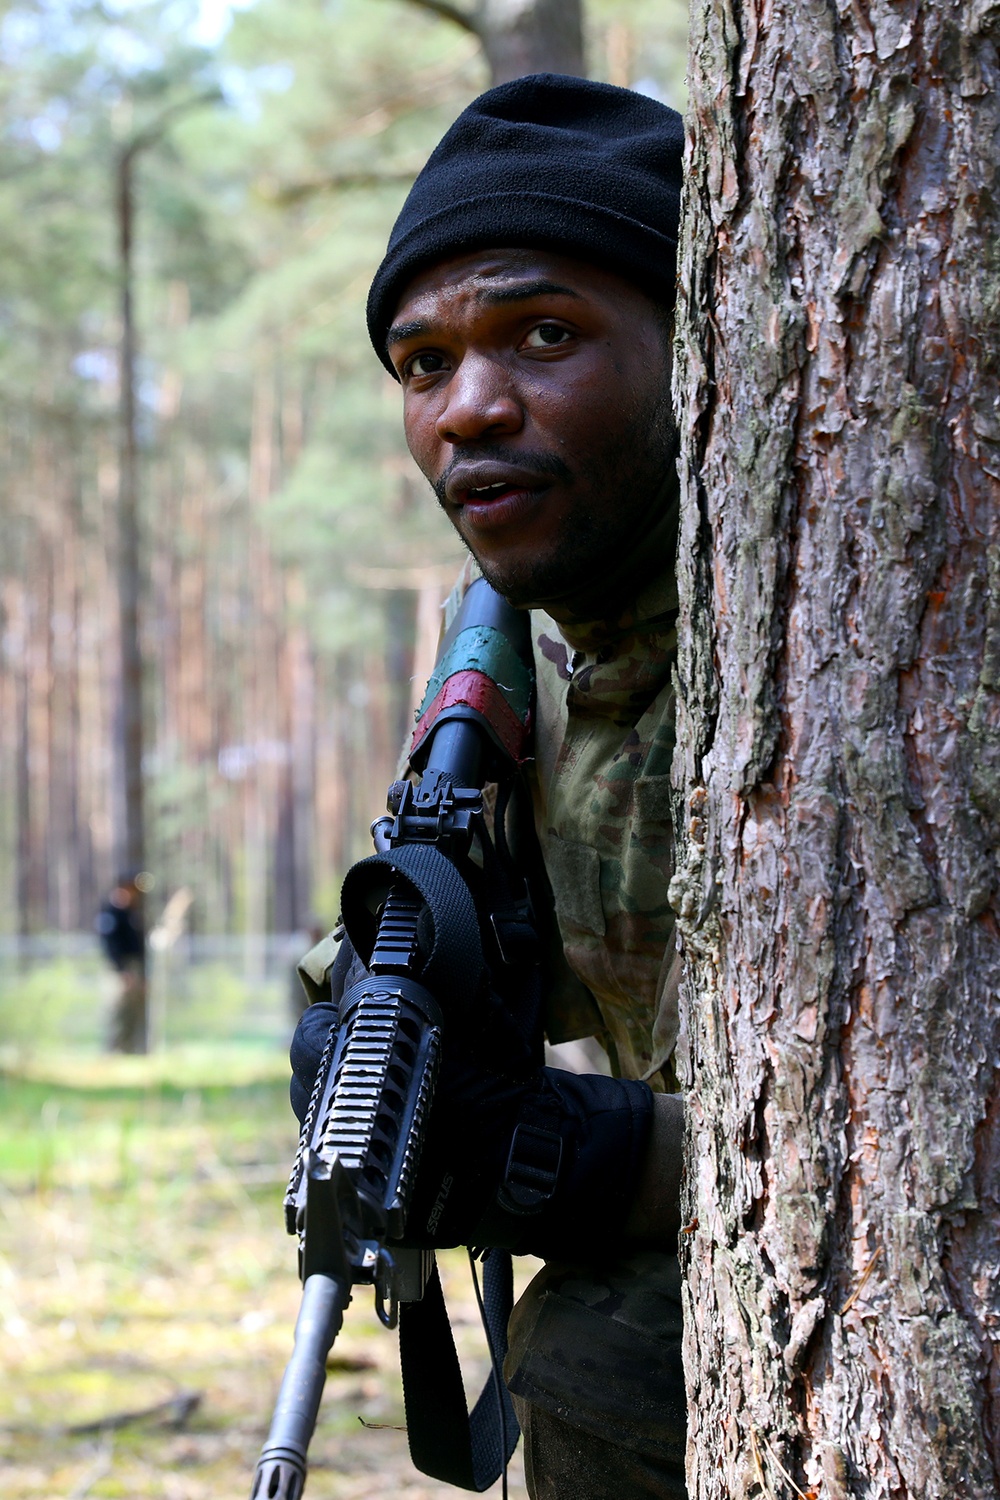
(300, 671)
(46, 687)
(521, 36)
(400, 633)
(839, 734)
(132, 848)
(100, 672)
(284, 902)
(531, 36)
(39, 720)
(132, 844)
(25, 914)
(76, 913)
(262, 722)
(17, 626)
(427, 634)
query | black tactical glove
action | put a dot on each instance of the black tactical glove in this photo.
(517, 1156)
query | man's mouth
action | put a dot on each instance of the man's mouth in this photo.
(487, 481)
(489, 492)
(499, 492)
(496, 506)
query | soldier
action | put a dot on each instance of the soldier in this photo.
(524, 305)
(120, 928)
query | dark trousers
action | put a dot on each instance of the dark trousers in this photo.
(595, 1373)
(127, 1027)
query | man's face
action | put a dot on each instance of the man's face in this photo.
(536, 401)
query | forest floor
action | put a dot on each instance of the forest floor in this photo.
(144, 1268)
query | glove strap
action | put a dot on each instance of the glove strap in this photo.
(532, 1170)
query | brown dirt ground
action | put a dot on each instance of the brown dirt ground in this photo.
(142, 1256)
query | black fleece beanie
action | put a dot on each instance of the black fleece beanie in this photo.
(545, 162)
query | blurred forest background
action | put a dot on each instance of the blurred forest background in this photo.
(288, 566)
(291, 562)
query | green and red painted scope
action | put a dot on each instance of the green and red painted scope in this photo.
(484, 675)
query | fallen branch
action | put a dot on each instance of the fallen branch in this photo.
(176, 1411)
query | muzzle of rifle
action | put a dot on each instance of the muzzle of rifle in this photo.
(281, 1468)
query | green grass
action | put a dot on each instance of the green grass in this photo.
(143, 1254)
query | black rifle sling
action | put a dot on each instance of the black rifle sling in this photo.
(455, 969)
(446, 1441)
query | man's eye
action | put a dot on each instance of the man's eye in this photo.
(547, 336)
(424, 364)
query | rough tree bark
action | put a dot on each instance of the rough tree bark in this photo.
(839, 762)
(521, 36)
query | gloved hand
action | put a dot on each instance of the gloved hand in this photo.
(517, 1156)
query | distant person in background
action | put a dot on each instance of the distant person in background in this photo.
(121, 929)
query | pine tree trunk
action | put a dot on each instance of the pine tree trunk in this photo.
(521, 36)
(133, 839)
(531, 36)
(839, 762)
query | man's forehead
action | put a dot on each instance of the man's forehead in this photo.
(490, 278)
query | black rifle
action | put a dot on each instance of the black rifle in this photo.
(360, 1144)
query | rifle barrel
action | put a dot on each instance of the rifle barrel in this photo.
(281, 1468)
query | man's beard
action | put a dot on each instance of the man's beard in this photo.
(625, 491)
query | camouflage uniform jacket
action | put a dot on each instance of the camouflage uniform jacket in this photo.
(601, 789)
(600, 786)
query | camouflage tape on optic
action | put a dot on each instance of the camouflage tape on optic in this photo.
(477, 691)
(481, 670)
(482, 648)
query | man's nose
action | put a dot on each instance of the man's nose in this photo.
(481, 403)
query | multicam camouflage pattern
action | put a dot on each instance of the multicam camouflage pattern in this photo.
(600, 785)
(604, 740)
